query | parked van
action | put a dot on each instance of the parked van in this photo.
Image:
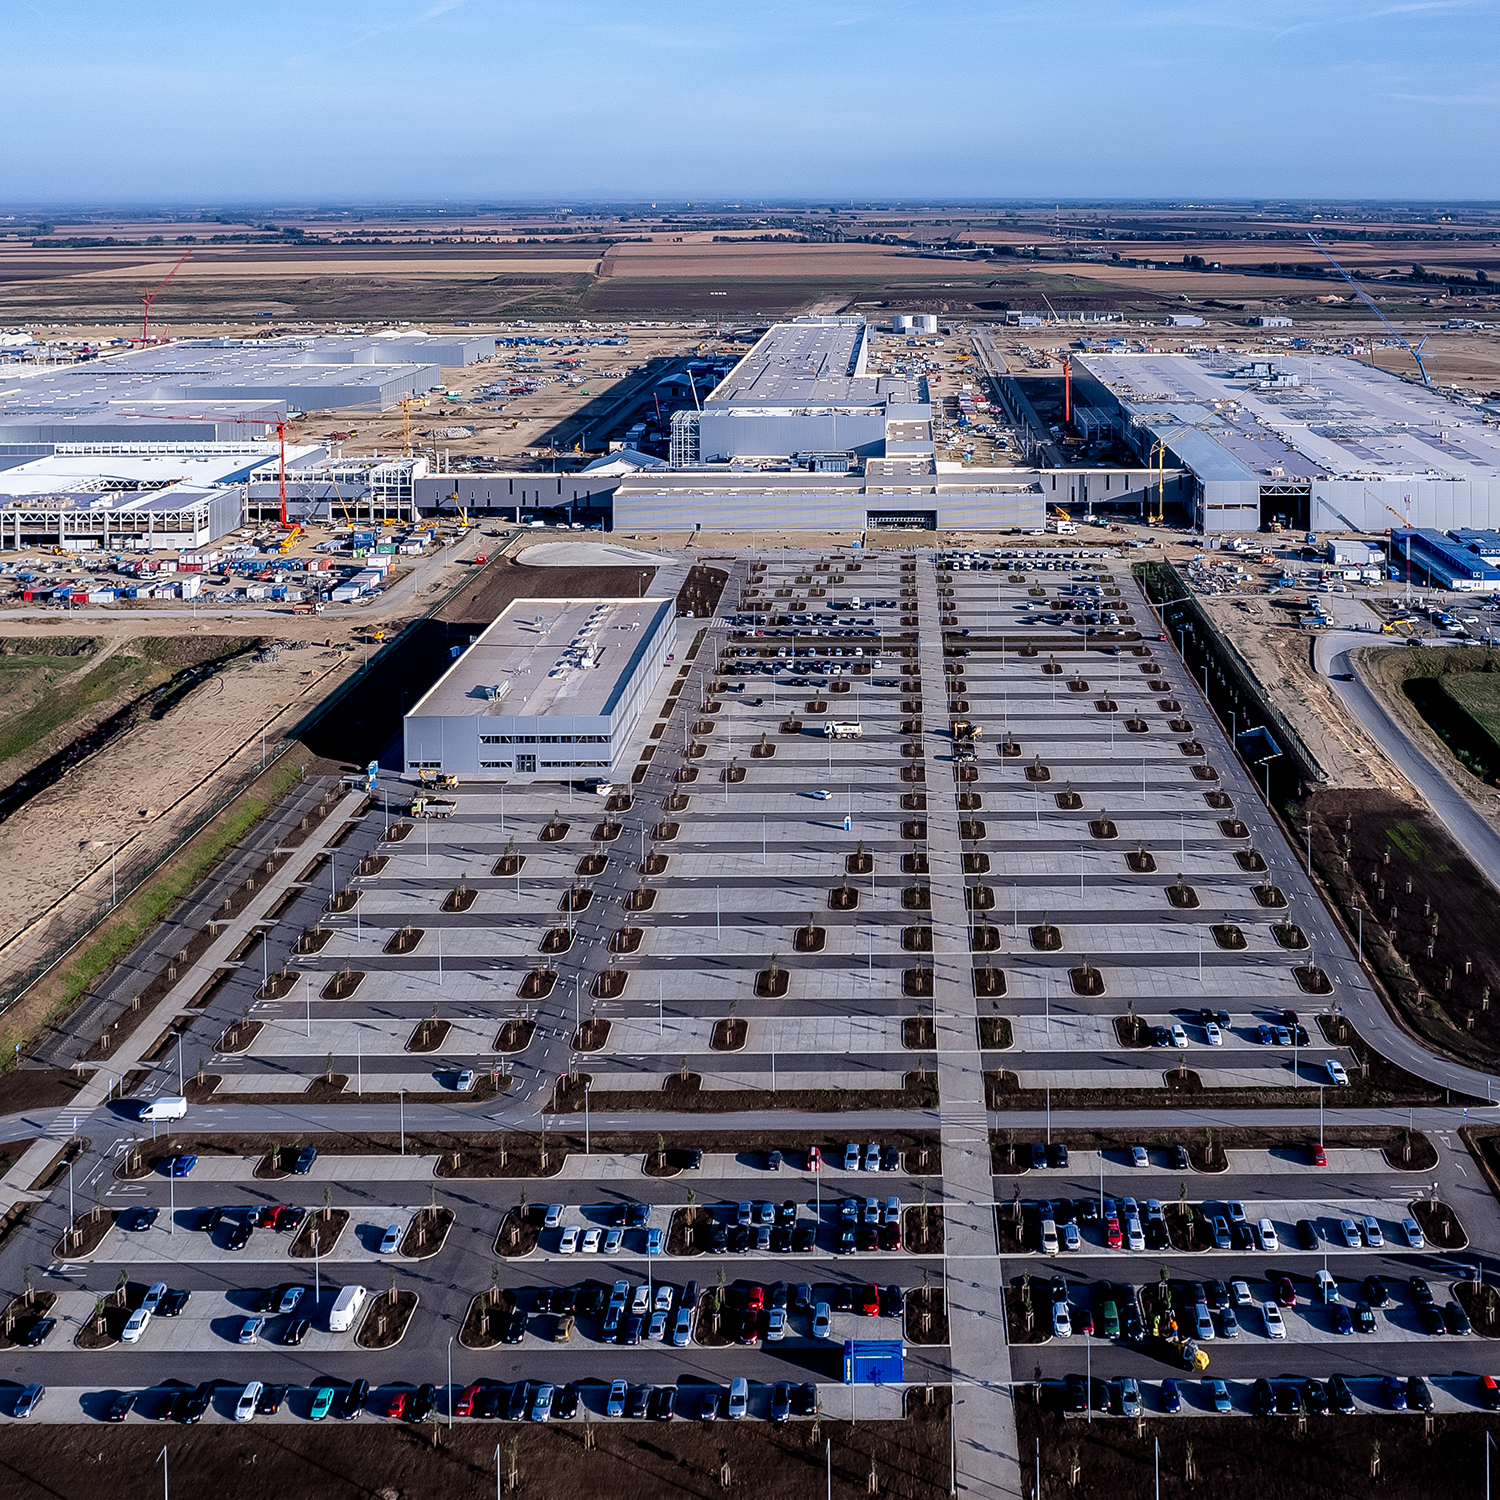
(739, 1396)
(1049, 1237)
(168, 1107)
(346, 1309)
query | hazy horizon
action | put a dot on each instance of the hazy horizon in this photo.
(579, 101)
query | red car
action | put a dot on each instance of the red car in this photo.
(1318, 1154)
(397, 1404)
(869, 1300)
(1286, 1293)
(814, 1159)
(755, 1299)
(463, 1405)
(890, 1236)
(1112, 1236)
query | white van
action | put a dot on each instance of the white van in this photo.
(739, 1396)
(168, 1107)
(346, 1308)
(1049, 1237)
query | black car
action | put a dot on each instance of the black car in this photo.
(1160, 1037)
(210, 1219)
(693, 1160)
(1057, 1154)
(1075, 1394)
(302, 1164)
(638, 1402)
(192, 1405)
(351, 1402)
(891, 1302)
(630, 1331)
(1289, 1400)
(1432, 1320)
(1180, 1160)
(239, 1236)
(781, 1240)
(421, 1404)
(136, 1220)
(488, 1402)
(1088, 1210)
(1263, 1398)
(1340, 1397)
(271, 1398)
(172, 1304)
(781, 1401)
(566, 1404)
(36, 1335)
(890, 1159)
(519, 1400)
(1218, 1296)
(804, 1400)
(803, 1239)
(565, 1299)
(295, 1331)
(164, 1408)
(593, 1301)
(120, 1407)
(515, 1330)
(1453, 1315)
(1315, 1393)
(718, 1239)
(843, 1298)
(1038, 1155)
(1417, 1394)
(1375, 1292)
(1307, 1234)
(1421, 1293)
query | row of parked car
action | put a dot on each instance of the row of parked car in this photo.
(1281, 1398)
(483, 1400)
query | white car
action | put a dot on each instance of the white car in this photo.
(1071, 1239)
(391, 1239)
(154, 1293)
(1275, 1327)
(251, 1330)
(1179, 1036)
(244, 1408)
(1236, 1211)
(1240, 1291)
(1062, 1323)
(1214, 1036)
(1267, 1231)
(1203, 1321)
(1336, 1073)
(1134, 1238)
(568, 1244)
(591, 1241)
(135, 1325)
(1139, 1157)
(553, 1217)
(820, 795)
(640, 1301)
(1413, 1232)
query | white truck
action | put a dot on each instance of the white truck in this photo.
(168, 1107)
(843, 729)
(346, 1308)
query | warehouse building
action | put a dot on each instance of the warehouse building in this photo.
(1322, 443)
(549, 692)
(1448, 563)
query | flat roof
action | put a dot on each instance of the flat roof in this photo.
(566, 657)
(99, 470)
(811, 362)
(1342, 419)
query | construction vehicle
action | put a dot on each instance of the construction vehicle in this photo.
(849, 729)
(431, 807)
(480, 559)
(437, 778)
(966, 730)
(308, 607)
(379, 634)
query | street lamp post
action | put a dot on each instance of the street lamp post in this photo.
(451, 1337)
(586, 1087)
(401, 1101)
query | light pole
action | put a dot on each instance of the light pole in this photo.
(1359, 912)
(161, 1458)
(586, 1087)
(401, 1101)
(451, 1337)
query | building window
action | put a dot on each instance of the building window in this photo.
(424, 765)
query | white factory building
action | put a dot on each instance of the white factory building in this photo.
(1323, 443)
(549, 692)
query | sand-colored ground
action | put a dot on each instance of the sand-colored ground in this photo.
(411, 264)
(136, 794)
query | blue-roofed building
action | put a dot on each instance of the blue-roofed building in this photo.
(1446, 562)
(1485, 543)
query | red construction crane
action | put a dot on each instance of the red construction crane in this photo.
(151, 296)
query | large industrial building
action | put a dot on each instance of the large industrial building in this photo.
(220, 390)
(1320, 442)
(549, 692)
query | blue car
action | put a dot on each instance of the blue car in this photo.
(182, 1165)
(1395, 1393)
(1171, 1397)
(653, 1241)
(1264, 1035)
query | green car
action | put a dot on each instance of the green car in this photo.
(322, 1401)
(1109, 1320)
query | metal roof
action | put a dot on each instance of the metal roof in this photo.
(812, 362)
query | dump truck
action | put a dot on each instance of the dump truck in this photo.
(846, 729)
(431, 807)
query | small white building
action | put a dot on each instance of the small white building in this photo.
(549, 692)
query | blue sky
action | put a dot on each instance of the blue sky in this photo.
(336, 101)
